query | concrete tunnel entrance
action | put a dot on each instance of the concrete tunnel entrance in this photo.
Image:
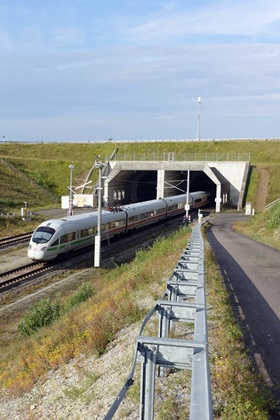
(128, 182)
(136, 186)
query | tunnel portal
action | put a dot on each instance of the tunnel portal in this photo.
(128, 182)
(136, 186)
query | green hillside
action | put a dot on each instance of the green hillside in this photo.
(47, 165)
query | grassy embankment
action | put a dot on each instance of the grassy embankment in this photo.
(47, 165)
(263, 227)
(83, 328)
(236, 390)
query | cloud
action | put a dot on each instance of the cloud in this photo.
(130, 70)
(223, 18)
(6, 41)
(65, 36)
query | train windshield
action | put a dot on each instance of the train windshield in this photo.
(42, 235)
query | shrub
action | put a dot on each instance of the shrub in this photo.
(43, 314)
(84, 292)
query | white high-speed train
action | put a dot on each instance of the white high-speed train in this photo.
(60, 236)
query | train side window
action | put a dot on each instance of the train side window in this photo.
(71, 236)
(132, 219)
(63, 239)
(172, 208)
(198, 200)
(88, 232)
(68, 237)
(159, 211)
(110, 225)
(55, 243)
(85, 232)
(144, 216)
(181, 205)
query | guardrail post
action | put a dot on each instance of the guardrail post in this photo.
(163, 331)
(148, 363)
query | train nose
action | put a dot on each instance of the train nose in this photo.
(34, 253)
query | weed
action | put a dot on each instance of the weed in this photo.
(43, 314)
(81, 391)
(84, 292)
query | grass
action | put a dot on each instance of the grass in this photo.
(47, 165)
(46, 312)
(10, 226)
(263, 227)
(89, 327)
(80, 391)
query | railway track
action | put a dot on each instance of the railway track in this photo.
(114, 251)
(14, 240)
(19, 275)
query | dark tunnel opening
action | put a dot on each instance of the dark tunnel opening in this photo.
(147, 186)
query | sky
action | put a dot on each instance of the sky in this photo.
(91, 70)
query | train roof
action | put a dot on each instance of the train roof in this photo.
(143, 204)
(73, 219)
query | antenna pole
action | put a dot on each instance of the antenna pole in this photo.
(198, 119)
(71, 167)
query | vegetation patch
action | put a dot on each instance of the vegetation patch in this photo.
(89, 326)
(47, 165)
(47, 312)
(13, 225)
(262, 227)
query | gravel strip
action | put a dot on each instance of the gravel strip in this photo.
(86, 387)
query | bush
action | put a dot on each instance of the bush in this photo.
(43, 314)
(84, 292)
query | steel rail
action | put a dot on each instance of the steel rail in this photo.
(13, 240)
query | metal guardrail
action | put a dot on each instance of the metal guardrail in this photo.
(183, 301)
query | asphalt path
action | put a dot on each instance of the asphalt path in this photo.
(251, 273)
